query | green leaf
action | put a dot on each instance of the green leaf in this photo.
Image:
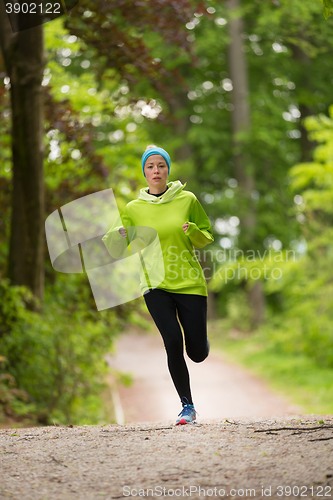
(328, 8)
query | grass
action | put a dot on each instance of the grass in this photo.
(295, 376)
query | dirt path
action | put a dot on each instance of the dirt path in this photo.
(224, 459)
(219, 389)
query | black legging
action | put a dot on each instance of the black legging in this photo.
(192, 314)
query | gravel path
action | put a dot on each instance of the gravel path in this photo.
(236, 459)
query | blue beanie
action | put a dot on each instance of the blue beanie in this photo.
(155, 151)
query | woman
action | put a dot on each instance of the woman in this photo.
(181, 224)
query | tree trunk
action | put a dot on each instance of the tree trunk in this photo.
(25, 61)
(179, 109)
(241, 122)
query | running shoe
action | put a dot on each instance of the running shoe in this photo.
(187, 415)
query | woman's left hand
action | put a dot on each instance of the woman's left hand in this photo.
(185, 227)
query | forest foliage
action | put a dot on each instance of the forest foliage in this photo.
(100, 113)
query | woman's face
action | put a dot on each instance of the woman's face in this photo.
(156, 171)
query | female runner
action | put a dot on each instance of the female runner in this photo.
(181, 224)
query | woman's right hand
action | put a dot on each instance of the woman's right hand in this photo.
(123, 232)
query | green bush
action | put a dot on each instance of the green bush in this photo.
(238, 311)
(55, 358)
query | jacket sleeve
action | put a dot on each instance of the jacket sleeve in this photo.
(199, 229)
(115, 243)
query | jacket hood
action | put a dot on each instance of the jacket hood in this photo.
(174, 188)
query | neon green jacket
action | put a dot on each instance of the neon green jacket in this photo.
(165, 215)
